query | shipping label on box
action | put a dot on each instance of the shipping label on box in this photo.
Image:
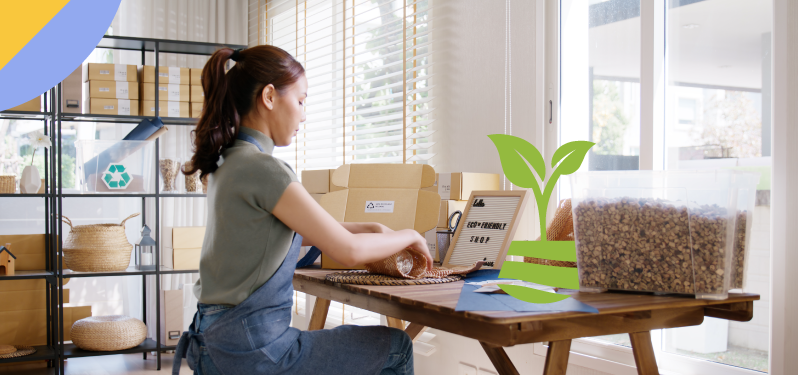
(165, 108)
(458, 186)
(112, 89)
(169, 92)
(197, 95)
(166, 74)
(123, 107)
(109, 72)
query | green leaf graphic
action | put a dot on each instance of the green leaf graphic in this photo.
(572, 154)
(532, 295)
(514, 154)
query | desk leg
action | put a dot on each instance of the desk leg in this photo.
(557, 357)
(414, 330)
(499, 358)
(319, 314)
(395, 323)
(644, 353)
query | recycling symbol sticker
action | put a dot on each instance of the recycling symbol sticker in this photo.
(116, 177)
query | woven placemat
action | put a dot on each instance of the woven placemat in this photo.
(362, 277)
(22, 351)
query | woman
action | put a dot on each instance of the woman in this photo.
(258, 217)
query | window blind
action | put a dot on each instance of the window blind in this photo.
(369, 69)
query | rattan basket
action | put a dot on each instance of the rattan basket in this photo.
(97, 247)
(8, 184)
(108, 333)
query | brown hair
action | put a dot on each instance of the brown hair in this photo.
(231, 95)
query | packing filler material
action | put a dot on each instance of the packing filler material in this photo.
(389, 194)
(165, 108)
(166, 74)
(22, 314)
(458, 186)
(186, 247)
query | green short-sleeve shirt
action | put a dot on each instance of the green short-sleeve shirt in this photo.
(244, 243)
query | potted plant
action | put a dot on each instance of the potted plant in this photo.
(30, 182)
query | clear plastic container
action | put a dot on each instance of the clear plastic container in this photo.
(656, 231)
(115, 167)
(746, 202)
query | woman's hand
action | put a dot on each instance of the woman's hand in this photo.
(420, 245)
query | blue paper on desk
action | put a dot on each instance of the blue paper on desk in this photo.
(470, 301)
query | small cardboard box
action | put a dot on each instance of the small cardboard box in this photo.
(111, 89)
(389, 194)
(170, 92)
(186, 247)
(196, 76)
(317, 181)
(166, 74)
(109, 72)
(458, 186)
(165, 108)
(123, 107)
(33, 105)
(448, 207)
(196, 110)
(72, 92)
(197, 95)
(172, 316)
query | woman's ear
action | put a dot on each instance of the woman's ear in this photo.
(267, 96)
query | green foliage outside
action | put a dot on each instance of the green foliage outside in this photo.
(609, 121)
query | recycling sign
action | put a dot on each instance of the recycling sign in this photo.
(116, 177)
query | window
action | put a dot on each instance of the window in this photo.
(675, 84)
(369, 70)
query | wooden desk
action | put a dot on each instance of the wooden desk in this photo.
(433, 306)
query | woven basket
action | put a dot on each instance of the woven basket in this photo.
(108, 333)
(97, 247)
(8, 184)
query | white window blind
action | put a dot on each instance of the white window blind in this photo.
(369, 70)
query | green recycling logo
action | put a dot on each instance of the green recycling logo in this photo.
(116, 177)
(517, 155)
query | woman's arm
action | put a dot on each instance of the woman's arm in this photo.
(297, 209)
(356, 228)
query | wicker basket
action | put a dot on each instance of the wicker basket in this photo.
(97, 247)
(108, 333)
(8, 184)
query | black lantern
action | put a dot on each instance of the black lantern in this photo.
(145, 257)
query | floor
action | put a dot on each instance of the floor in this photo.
(131, 364)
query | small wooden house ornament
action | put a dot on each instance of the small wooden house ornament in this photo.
(6, 262)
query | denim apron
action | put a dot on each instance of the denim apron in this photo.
(255, 336)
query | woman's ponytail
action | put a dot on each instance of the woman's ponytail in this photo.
(230, 95)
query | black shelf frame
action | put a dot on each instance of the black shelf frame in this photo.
(55, 197)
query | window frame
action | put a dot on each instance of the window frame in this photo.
(607, 357)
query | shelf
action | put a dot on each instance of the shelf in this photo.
(23, 195)
(104, 195)
(167, 270)
(35, 274)
(130, 271)
(183, 195)
(43, 352)
(166, 46)
(72, 351)
(87, 117)
(24, 115)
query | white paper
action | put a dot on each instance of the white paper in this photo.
(122, 90)
(379, 206)
(491, 286)
(173, 109)
(174, 75)
(120, 72)
(444, 185)
(124, 107)
(173, 93)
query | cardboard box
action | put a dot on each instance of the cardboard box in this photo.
(109, 72)
(111, 89)
(196, 110)
(30, 250)
(458, 186)
(448, 207)
(186, 247)
(317, 181)
(196, 76)
(197, 95)
(122, 107)
(165, 108)
(389, 194)
(33, 105)
(72, 92)
(166, 74)
(169, 92)
(172, 316)
(432, 243)
(317, 197)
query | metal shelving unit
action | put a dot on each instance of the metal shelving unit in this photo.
(56, 349)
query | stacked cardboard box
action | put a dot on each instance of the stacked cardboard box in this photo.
(33, 105)
(110, 89)
(319, 182)
(389, 194)
(173, 91)
(197, 94)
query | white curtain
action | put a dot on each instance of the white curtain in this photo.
(215, 21)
